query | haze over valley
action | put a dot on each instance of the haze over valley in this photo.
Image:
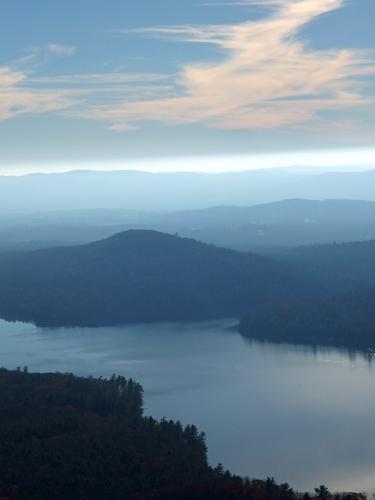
(246, 211)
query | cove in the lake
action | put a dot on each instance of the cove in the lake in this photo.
(300, 414)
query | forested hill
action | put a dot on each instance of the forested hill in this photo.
(63, 437)
(344, 314)
(347, 320)
(317, 294)
(351, 263)
(138, 276)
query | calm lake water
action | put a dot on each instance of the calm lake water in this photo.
(302, 415)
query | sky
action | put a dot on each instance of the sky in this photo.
(187, 84)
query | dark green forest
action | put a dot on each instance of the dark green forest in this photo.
(341, 313)
(347, 320)
(318, 294)
(64, 437)
(138, 276)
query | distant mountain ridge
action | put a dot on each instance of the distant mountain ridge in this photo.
(283, 212)
(284, 223)
(177, 191)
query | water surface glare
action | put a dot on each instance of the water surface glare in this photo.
(302, 415)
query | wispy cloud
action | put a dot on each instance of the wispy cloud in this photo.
(16, 100)
(98, 78)
(22, 92)
(264, 77)
(122, 127)
(267, 77)
(61, 50)
(10, 77)
(17, 94)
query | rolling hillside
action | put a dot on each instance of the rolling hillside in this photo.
(137, 276)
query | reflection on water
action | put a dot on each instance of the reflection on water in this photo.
(322, 353)
(303, 415)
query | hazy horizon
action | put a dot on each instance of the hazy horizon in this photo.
(331, 160)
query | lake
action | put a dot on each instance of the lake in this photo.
(302, 415)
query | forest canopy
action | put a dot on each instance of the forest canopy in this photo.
(63, 437)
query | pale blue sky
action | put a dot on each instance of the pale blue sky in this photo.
(114, 82)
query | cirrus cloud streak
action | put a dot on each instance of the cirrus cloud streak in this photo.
(267, 77)
(264, 77)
